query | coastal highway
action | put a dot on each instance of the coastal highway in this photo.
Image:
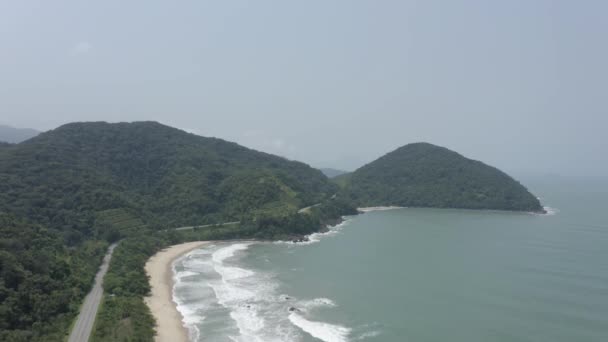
(301, 211)
(307, 209)
(84, 324)
(208, 225)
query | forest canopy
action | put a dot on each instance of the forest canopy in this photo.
(425, 175)
(67, 193)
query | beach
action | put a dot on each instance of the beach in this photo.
(169, 326)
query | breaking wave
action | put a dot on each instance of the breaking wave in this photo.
(211, 284)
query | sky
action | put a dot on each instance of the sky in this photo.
(518, 84)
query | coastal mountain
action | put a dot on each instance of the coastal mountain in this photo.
(172, 177)
(16, 135)
(67, 193)
(425, 175)
(331, 173)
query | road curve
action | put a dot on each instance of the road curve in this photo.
(209, 225)
(84, 324)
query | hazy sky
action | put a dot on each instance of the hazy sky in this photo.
(521, 85)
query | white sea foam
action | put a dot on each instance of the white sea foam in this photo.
(319, 302)
(226, 252)
(257, 312)
(316, 237)
(249, 323)
(235, 296)
(190, 312)
(229, 295)
(367, 335)
(324, 331)
(232, 273)
(184, 274)
(550, 211)
(196, 265)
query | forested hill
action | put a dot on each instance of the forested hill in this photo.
(174, 177)
(425, 175)
(67, 193)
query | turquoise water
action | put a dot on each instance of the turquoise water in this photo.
(414, 275)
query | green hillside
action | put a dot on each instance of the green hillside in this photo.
(425, 175)
(173, 177)
(68, 192)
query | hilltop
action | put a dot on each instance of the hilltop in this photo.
(426, 175)
(172, 177)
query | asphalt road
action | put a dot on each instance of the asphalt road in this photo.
(84, 324)
(209, 225)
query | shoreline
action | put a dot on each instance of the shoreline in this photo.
(169, 324)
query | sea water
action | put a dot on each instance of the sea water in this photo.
(413, 275)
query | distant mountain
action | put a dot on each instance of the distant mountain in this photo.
(331, 173)
(16, 135)
(425, 175)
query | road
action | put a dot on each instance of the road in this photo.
(84, 324)
(209, 225)
(301, 211)
(307, 209)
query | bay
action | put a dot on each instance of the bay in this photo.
(414, 275)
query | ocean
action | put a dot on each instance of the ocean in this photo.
(413, 275)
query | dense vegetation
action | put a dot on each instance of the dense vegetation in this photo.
(67, 193)
(124, 316)
(424, 175)
(42, 280)
(168, 176)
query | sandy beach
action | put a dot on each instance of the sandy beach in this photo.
(169, 327)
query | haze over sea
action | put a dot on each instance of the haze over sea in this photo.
(414, 275)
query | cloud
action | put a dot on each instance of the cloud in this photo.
(81, 48)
